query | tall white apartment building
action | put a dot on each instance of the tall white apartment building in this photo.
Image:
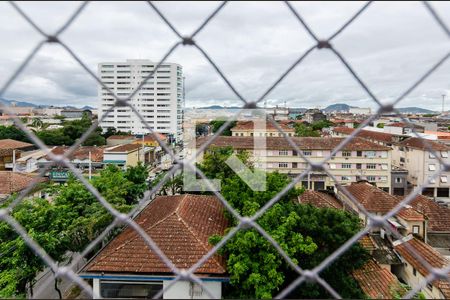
(160, 100)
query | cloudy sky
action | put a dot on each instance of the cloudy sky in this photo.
(390, 46)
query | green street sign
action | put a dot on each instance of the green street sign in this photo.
(59, 175)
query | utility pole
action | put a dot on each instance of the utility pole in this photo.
(14, 160)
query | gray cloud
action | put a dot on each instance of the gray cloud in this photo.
(389, 46)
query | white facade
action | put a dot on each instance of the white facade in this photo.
(360, 110)
(160, 100)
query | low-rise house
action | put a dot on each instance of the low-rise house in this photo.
(347, 123)
(377, 282)
(123, 155)
(181, 226)
(413, 154)
(314, 115)
(382, 138)
(28, 163)
(375, 201)
(358, 159)
(403, 128)
(150, 140)
(414, 271)
(11, 150)
(247, 128)
(83, 158)
(15, 182)
(74, 113)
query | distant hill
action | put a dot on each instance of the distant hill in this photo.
(415, 110)
(338, 107)
(7, 102)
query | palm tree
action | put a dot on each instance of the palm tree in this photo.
(37, 123)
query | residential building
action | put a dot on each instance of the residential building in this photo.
(15, 182)
(413, 155)
(382, 138)
(358, 159)
(402, 128)
(28, 162)
(314, 115)
(126, 155)
(160, 100)
(414, 271)
(399, 181)
(74, 113)
(10, 151)
(377, 282)
(150, 140)
(349, 123)
(360, 110)
(82, 158)
(278, 113)
(181, 226)
(375, 201)
(247, 128)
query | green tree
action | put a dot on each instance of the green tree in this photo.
(12, 132)
(216, 124)
(305, 131)
(380, 125)
(307, 234)
(113, 131)
(138, 176)
(319, 125)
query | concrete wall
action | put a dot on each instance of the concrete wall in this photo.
(183, 290)
(406, 273)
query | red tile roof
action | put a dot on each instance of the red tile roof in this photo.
(375, 200)
(81, 152)
(422, 144)
(248, 125)
(124, 148)
(305, 143)
(367, 242)
(121, 137)
(12, 182)
(180, 226)
(13, 144)
(318, 199)
(403, 125)
(368, 134)
(377, 282)
(438, 216)
(431, 256)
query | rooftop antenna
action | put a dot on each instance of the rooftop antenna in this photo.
(443, 100)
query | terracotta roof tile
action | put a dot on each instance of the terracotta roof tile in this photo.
(121, 137)
(13, 144)
(403, 125)
(431, 256)
(438, 216)
(377, 282)
(307, 143)
(180, 226)
(11, 182)
(422, 144)
(124, 148)
(81, 152)
(367, 242)
(378, 201)
(318, 199)
(368, 134)
(248, 125)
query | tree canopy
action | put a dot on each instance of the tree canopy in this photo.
(307, 234)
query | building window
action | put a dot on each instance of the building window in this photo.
(431, 180)
(118, 289)
(294, 153)
(402, 159)
(283, 152)
(444, 154)
(319, 154)
(416, 229)
(384, 166)
(346, 153)
(195, 290)
(432, 155)
(432, 167)
(383, 178)
(414, 272)
(358, 166)
(346, 166)
(332, 166)
(283, 165)
(358, 153)
(430, 287)
(371, 178)
(371, 166)
(398, 180)
(345, 178)
(307, 153)
(444, 179)
(294, 165)
(370, 154)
